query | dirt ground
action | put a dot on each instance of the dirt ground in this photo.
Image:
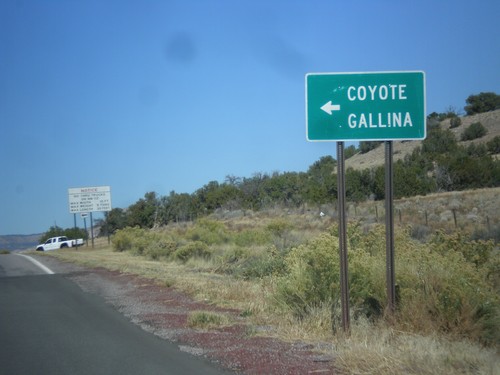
(164, 312)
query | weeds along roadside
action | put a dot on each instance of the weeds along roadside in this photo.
(281, 274)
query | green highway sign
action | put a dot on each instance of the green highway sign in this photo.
(378, 106)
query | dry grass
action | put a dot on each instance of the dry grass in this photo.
(368, 349)
(468, 211)
(381, 350)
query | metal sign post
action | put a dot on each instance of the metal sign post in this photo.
(389, 228)
(92, 229)
(344, 281)
(85, 225)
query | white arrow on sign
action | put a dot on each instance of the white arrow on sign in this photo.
(329, 107)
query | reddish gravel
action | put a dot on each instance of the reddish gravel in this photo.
(164, 311)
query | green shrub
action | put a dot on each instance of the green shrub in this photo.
(141, 241)
(476, 252)
(474, 131)
(455, 122)
(447, 285)
(494, 145)
(280, 230)
(191, 250)
(420, 232)
(252, 237)
(438, 142)
(230, 259)
(483, 233)
(129, 239)
(208, 231)
(311, 277)
(160, 246)
(447, 294)
(267, 263)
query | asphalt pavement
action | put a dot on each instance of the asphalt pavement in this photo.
(48, 325)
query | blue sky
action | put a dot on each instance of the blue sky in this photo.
(169, 95)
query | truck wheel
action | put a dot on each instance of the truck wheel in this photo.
(39, 249)
(63, 246)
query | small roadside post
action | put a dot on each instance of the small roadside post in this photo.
(84, 217)
(365, 106)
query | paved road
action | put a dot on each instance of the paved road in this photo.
(48, 325)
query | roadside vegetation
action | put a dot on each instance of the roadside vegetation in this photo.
(268, 246)
(281, 270)
(449, 284)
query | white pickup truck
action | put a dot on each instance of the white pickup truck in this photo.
(60, 242)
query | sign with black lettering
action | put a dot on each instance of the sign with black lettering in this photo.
(89, 199)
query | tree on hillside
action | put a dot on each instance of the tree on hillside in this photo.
(143, 213)
(286, 188)
(350, 152)
(232, 180)
(214, 195)
(438, 142)
(451, 112)
(113, 220)
(322, 181)
(251, 189)
(209, 197)
(74, 233)
(53, 231)
(470, 172)
(177, 207)
(455, 122)
(484, 102)
(358, 184)
(378, 182)
(366, 146)
(411, 178)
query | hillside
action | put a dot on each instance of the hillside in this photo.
(18, 241)
(374, 158)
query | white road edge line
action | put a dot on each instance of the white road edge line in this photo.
(37, 263)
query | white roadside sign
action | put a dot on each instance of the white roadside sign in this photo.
(89, 199)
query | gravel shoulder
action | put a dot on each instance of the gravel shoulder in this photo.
(164, 312)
